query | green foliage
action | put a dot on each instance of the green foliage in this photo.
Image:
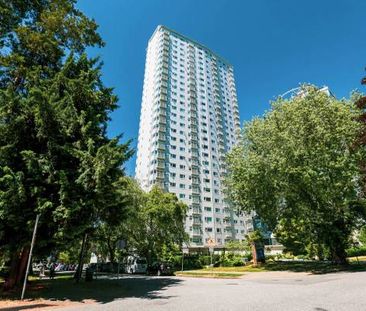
(255, 236)
(356, 251)
(298, 169)
(230, 260)
(362, 236)
(237, 246)
(191, 262)
(155, 224)
(55, 157)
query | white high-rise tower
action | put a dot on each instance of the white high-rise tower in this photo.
(189, 121)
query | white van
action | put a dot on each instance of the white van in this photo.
(136, 265)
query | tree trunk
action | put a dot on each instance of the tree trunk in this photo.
(111, 251)
(254, 254)
(17, 269)
(339, 256)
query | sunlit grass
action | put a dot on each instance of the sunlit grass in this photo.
(203, 273)
(315, 267)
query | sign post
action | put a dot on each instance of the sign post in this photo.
(211, 247)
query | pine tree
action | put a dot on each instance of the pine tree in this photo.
(56, 159)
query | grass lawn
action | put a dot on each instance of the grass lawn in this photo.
(221, 272)
(210, 274)
(314, 267)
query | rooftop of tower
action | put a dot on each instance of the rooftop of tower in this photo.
(191, 40)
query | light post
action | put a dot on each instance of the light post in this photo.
(30, 256)
(185, 250)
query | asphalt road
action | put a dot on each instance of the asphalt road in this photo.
(255, 291)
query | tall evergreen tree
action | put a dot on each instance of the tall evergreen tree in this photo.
(55, 157)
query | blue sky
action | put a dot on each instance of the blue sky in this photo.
(273, 45)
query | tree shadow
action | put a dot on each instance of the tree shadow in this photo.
(27, 307)
(314, 267)
(101, 290)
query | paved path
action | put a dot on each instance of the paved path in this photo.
(264, 291)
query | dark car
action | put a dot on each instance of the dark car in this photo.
(160, 268)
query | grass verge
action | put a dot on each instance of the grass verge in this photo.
(314, 267)
(208, 274)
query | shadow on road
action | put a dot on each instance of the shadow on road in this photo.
(101, 290)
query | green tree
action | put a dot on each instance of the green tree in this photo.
(297, 167)
(155, 225)
(108, 233)
(362, 236)
(235, 245)
(55, 157)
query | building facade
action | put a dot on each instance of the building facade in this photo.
(189, 121)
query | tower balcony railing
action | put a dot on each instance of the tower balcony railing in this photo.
(162, 119)
(193, 106)
(161, 146)
(160, 167)
(162, 105)
(196, 211)
(195, 153)
(164, 77)
(162, 128)
(160, 176)
(196, 200)
(160, 156)
(197, 221)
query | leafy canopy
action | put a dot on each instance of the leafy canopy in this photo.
(297, 167)
(155, 223)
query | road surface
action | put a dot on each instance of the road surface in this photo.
(255, 291)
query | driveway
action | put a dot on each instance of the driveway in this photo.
(255, 291)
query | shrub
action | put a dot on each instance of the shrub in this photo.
(230, 260)
(356, 251)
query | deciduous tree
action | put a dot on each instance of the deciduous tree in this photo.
(297, 168)
(155, 223)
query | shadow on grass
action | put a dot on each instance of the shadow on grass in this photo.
(101, 290)
(27, 307)
(315, 267)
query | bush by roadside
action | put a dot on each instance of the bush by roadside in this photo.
(356, 251)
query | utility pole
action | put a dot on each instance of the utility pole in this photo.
(30, 256)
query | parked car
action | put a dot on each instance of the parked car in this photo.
(160, 268)
(136, 265)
